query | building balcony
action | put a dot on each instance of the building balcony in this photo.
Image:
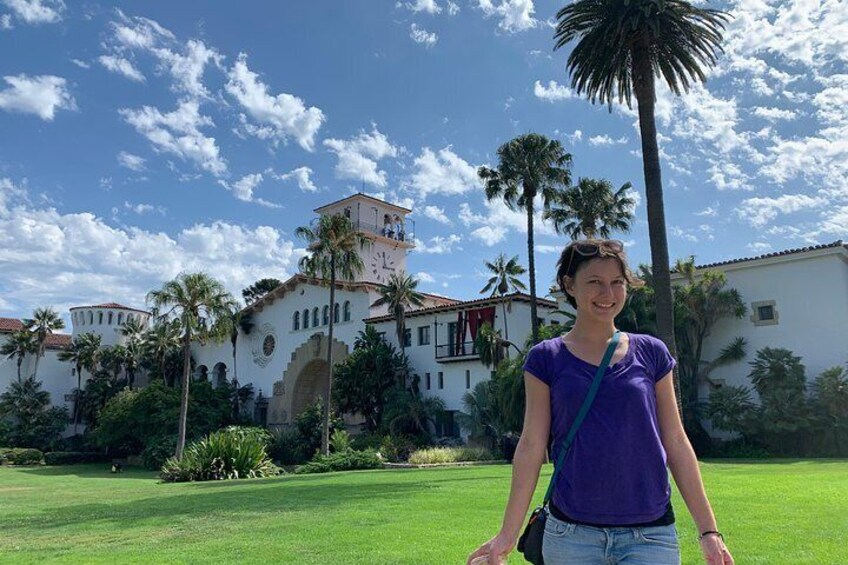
(404, 236)
(453, 352)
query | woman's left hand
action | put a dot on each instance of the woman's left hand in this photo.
(715, 552)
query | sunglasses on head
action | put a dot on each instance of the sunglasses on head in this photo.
(590, 248)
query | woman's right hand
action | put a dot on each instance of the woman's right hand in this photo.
(497, 550)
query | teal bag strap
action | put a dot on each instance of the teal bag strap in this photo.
(581, 414)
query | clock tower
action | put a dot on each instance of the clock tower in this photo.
(385, 226)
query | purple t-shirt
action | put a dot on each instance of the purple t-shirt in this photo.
(615, 472)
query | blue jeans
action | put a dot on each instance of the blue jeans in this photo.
(572, 544)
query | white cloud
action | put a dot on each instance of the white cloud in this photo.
(243, 189)
(278, 117)
(683, 233)
(121, 66)
(178, 133)
(709, 211)
(453, 9)
(548, 249)
(439, 245)
(37, 11)
(489, 235)
(553, 92)
(301, 174)
(760, 247)
(835, 222)
(142, 209)
(80, 64)
(606, 141)
(130, 161)
(422, 36)
(437, 214)
(88, 261)
(358, 156)
(424, 277)
(727, 175)
(443, 172)
(428, 6)
(41, 95)
(6, 21)
(760, 211)
(187, 69)
(774, 114)
(140, 33)
(516, 15)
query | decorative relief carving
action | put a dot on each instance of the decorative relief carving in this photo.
(264, 344)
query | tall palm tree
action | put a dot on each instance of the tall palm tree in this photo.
(504, 280)
(399, 295)
(84, 353)
(238, 320)
(530, 165)
(20, 344)
(200, 303)
(133, 331)
(592, 209)
(160, 341)
(112, 361)
(622, 47)
(333, 253)
(44, 322)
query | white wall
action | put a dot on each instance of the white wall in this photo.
(56, 377)
(85, 320)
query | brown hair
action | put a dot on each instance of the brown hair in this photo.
(570, 261)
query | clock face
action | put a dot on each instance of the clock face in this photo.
(381, 266)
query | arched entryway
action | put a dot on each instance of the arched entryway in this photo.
(310, 385)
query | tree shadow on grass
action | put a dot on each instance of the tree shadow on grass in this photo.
(90, 471)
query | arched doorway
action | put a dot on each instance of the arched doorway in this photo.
(310, 385)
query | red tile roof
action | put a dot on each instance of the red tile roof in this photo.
(9, 325)
(111, 305)
(53, 341)
(838, 243)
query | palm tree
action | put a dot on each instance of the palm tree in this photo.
(333, 251)
(43, 323)
(20, 344)
(399, 295)
(160, 342)
(84, 353)
(200, 303)
(133, 331)
(504, 280)
(112, 361)
(622, 46)
(530, 165)
(238, 320)
(592, 209)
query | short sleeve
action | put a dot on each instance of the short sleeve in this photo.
(663, 361)
(536, 363)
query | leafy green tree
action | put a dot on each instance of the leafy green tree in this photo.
(400, 294)
(504, 280)
(84, 353)
(592, 209)
(33, 423)
(408, 413)
(112, 362)
(481, 416)
(530, 165)
(44, 322)
(363, 382)
(830, 407)
(622, 47)
(333, 246)
(133, 333)
(160, 344)
(259, 289)
(200, 303)
(19, 344)
(238, 321)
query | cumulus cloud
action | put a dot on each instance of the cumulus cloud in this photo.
(121, 66)
(243, 189)
(424, 277)
(81, 64)
(302, 176)
(130, 161)
(515, 15)
(437, 214)
(439, 245)
(276, 117)
(88, 261)
(178, 133)
(422, 36)
(760, 211)
(6, 21)
(553, 92)
(774, 114)
(498, 221)
(187, 68)
(442, 172)
(358, 156)
(41, 95)
(606, 141)
(37, 11)
(428, 6)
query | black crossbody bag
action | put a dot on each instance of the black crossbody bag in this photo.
(530, 542)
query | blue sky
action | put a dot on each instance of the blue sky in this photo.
(143, 139)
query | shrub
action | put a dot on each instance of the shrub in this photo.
(72, 457)
(343, 461)
(340, 441)
(158, 451)
(288, 447)
(231, 453)
(450, 455)
(21, 456)
(396, 448)
(739, 449)
(361, 442)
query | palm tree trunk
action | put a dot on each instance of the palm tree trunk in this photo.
(325, 428)
(181, 434)
(506, 329)
(77, 399)
(643, 80)
(534, 320)
(38, 355)
(20, 362)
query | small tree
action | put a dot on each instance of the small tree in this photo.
(400, 294)
(43, 323)
(592, 209)
(84, 353)
(33, 422)
(20, 344)
(259, 289)
(830, 408)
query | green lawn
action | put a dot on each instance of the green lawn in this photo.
(771, 512)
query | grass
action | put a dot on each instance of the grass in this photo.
(771, 512)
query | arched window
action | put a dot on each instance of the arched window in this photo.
(202, 373)
(296, 322)
(325, 318)
(129, 318)
(90, 318)
(100, 318)
(336, 313)
(120, 318)
(306, 319)
(219, 374)
(346, 311)
(316, 321)
(110, 319)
